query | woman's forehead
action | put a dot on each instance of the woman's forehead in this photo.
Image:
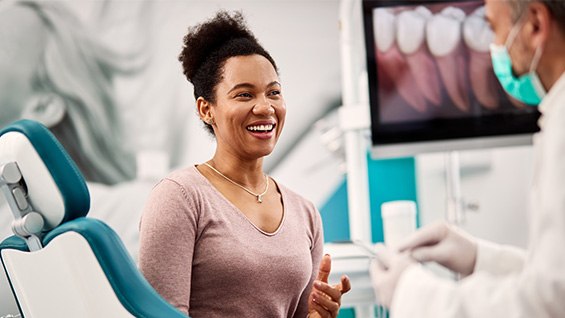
(252, 69)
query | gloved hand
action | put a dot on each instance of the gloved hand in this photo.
(444, 244)
(385, 272)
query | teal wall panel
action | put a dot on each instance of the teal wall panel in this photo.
(335, 217)
(389, 180)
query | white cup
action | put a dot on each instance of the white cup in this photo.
(399, 220)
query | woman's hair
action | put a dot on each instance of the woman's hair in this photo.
(77, 70)
(207, 46)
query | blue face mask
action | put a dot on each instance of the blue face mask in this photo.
(526, 88)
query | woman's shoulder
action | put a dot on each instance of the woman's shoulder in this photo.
(186, 177)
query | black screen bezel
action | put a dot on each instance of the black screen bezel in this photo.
(487, 125)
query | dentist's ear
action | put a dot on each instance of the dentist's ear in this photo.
(48, 109)
(540, 24)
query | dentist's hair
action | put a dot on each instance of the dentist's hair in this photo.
(77, 71)
(207, 47)
(556, 7)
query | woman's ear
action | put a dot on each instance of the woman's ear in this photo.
(205, 110)
(48, 109)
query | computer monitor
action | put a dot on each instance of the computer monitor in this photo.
(431, 83)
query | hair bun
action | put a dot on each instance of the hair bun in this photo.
(206, 38)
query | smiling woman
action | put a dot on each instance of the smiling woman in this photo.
(239, 244)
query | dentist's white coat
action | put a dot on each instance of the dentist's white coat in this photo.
(508, 282)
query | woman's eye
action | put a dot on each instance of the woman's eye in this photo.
(244, 95)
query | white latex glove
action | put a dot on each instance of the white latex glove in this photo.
(385, 272)
(444, 244)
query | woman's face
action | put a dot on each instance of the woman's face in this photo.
(22, 38)
(249, 112)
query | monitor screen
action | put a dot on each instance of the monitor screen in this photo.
(431, 78)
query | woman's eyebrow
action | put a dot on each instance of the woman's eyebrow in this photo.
(241, 85)
(249, 85)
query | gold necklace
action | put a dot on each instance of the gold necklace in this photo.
(259, 196)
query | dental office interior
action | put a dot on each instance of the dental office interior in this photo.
(357, 77)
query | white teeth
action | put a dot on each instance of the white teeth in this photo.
(261, 127)
(384, 29)
(476, 31)
(423, 11)
(411, 29)
(454, 13)
(444, 31)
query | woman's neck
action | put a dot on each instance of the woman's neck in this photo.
(247, 172)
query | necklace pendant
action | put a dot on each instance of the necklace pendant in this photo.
(260, 198)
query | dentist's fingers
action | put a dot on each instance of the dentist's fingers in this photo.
(383, 255)
(428, 254)
(426, 236)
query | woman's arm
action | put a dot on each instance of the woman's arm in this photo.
(167, 237)
(323, 300)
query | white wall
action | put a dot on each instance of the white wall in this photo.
(498, 180)
(301, 35)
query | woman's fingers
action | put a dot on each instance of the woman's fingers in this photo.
(332, 292)
(345, 284)
(325, 268)
(326, 302)
(323, 312)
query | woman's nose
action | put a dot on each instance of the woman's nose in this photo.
(263, 108)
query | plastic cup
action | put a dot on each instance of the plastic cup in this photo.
(399, 220)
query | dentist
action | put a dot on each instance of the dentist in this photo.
(500, 281)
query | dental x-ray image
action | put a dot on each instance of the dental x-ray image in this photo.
(430, 73)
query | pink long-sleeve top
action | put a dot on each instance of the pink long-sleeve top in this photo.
(206, 258)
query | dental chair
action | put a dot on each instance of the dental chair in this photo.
(61, 263)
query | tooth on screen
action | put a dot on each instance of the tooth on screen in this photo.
(443, 31)
(476, 31)
(384, 28)
(478, 36)
(410, 32)
(411, 29)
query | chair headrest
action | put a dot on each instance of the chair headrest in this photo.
(55, 186)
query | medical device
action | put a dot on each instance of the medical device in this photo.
(61, 263)
(431, 83)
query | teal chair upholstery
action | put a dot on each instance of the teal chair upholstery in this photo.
(63, 211)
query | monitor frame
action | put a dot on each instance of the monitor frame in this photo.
(410, 138)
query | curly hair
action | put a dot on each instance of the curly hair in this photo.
(207, 47)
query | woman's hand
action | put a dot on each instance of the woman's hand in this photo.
(325, 300)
